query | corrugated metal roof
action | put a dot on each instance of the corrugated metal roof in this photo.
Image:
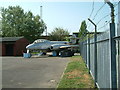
(5, 39)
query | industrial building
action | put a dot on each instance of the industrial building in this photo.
(13, 46)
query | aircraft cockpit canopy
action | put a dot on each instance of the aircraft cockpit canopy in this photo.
(40, 40)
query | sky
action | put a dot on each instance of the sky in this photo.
(66, 14)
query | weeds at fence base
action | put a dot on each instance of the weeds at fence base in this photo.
(76, 75)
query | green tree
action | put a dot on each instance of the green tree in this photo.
(59, 34)
(83, 30)
(16, 22)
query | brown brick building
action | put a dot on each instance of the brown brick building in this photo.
(13, 46)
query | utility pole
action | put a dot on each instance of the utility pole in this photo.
(95, 50)
(41, 12)
(45, 27)
(113, 70)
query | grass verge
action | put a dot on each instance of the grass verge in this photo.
(76, 75)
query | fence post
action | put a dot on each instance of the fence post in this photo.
(95, 50)
(89, 51)
(86, 54)
(95, 53)
(118, 65)
(113, 56)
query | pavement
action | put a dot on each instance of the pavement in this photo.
(35, 72)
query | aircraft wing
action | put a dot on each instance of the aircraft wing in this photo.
(62, 46)
(67, 46)
(70, 46)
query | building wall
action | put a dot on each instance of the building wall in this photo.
(20, 46)
(2, 49)
(76, 34)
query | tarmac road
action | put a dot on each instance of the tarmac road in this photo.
(19, 72)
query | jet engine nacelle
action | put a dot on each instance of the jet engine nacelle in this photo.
(56, 46)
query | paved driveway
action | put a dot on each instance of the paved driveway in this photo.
(18, 72)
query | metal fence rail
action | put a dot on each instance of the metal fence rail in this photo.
(103, 71)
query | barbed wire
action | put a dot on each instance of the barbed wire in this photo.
(104, 25)
(98, 11)
(91, 12)
(92, 9)
(102, 19)
(108, 22)
(106, 15)
(116, 4)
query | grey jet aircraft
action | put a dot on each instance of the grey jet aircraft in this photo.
(47, 46)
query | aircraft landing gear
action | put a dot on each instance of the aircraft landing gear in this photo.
(55, 53)
(66, 53)
(44, 53)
